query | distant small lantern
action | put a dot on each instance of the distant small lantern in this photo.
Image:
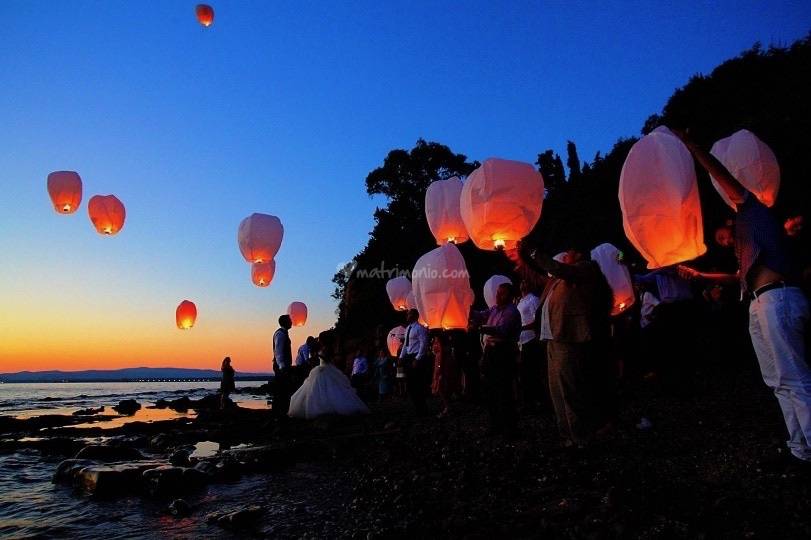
(262, 273)
(395, 339)
(65, 190)
(186, 314)
(260, 237)
(609, 259)
(752, 163)
(491, 288)
(107, 214)
(442, 288)
(399, 289)
(205, 14)
(658, 194)
(501, 202)
(442, 211)
(298, 313)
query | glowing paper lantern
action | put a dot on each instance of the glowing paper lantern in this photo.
(107, 213)
(442, 288)
(661, 211)
(205, 14)
(65, 189)
(260, 237)
(411, 302)
(186, 314)
(751, 162)
(262, 273)
(442, 211)
(395, 339)
(399, 290)
(491, 286)
(501, 203)
(298, 313)
(619, 278)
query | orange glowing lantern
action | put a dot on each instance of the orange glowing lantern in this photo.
(491, 287)
(260, 237)
(395, 339)
(298, 313)
(186, 314)
(65, 189)
(262, 273)
(399, 291)
(609, 259)
(658, 194)
(442, 211)
(442, 288)
(205, 14)
(107, 214)
(752, 163)
(501, 202)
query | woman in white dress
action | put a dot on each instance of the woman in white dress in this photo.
(325, 390)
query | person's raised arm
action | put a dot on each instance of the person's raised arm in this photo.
(719, 277)
(734, 190)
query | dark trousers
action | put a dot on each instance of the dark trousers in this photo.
(282, 390)
(498, 374)
(418, 380)
(532, 374)
(569, 390)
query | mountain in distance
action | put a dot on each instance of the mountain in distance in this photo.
(124, 375)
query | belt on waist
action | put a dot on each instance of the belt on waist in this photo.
(768, 287)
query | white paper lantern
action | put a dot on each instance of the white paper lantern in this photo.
(751, 162)
(399, 289)
(260, 237)
(658, 194)
(616, 273)
(442, 288)
(442, 211)
(395, 339)
(491, 287)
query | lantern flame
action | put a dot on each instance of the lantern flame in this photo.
(66, 208)
(499, 243)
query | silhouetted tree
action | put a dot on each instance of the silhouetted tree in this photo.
(572, 161)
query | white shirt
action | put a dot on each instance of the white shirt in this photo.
(649, 301)
(415, 342)
(527, 306)
(303, 355)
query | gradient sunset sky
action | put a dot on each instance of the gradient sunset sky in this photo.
(283, 108)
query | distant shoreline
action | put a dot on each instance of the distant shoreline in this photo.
(151, 379)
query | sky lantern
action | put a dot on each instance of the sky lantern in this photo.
(205, 14)
(298, 313)
(260, 237)
(752, 163)
(65, 190)
(609, 259)
(501, 202)
(107, 214)
(262, 273)
(186, 314)
(442, 288)
(658, 194)
(399, 290)
(395, 339)
(442, 211)
(411, 302)
(491, 286)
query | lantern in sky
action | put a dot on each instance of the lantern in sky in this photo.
(298, 313)
(399, 290)
(262, 273)
(395, 339)
(205, 14)
(442, 211)
(658, 194)
(751, 162)
(501, 203)
(260, 237)
(186, 314)
(411, 302)
(609, 258)
(491, 286)
(65, 189)
(442, 288)
(107, 213)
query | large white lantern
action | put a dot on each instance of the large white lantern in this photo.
(491, 287)
(616, 273)
(501, 203)
(442, 211)
(751, 162)
(395, 339)
(658, 194)
(399, 290)
(260, 237)
(442, 288)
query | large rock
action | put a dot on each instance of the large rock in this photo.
(127, 407)
(88, 412)
(102, 452)
(103, 480)
(169, 480)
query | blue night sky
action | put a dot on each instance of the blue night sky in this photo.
(283, 108)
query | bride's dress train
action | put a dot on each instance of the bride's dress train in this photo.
(325, 391)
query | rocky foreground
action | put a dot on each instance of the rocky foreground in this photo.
(712, 465)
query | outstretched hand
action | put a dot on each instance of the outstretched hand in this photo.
(685, 272)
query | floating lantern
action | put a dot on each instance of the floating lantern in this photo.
(298, 313)
(65, 189)
(752, 163)
(501, 203)
(186, 314)
(411, 302)
(260, 237)
(205, 14)
(262, 273)
(107, 214)
(399, 290)
(491, 287)
(661, 211)
(442, 288)
(395, 339)
(442, 211)
(609, 258)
